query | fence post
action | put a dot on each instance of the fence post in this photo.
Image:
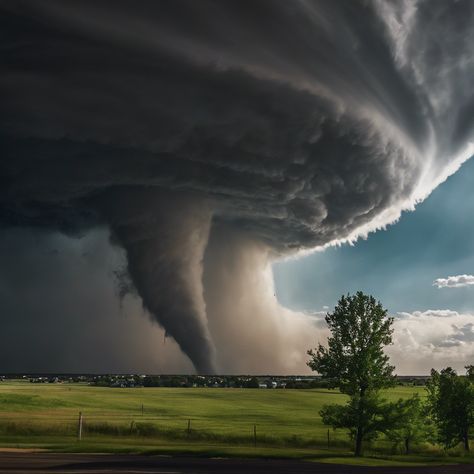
(189, 427)
(142, 409)
(255, 435)
(79, 427)
(328, 438)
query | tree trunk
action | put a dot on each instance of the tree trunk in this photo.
(466, 441)
(358, 443)
(359, 434)
(407, 446)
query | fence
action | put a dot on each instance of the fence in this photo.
(84, 425)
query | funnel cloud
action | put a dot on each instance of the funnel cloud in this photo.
(212, 137)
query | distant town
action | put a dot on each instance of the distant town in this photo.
(190, 381)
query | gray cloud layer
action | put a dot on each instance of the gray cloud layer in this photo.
(286, 125)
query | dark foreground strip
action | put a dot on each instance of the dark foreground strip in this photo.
(133, 464)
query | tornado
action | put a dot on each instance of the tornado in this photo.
(165, 237)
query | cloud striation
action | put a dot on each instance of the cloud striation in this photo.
(212, 137)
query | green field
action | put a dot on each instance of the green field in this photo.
(192, 420)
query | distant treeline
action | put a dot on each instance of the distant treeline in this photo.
(188, 381)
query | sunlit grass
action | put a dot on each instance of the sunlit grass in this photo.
(221, 422)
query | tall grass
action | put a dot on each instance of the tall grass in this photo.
(283, 418)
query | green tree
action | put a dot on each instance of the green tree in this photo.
(364, 418)
(355, 362)
(470, 372)
(412, 424)
(252, 383)
(451, 402)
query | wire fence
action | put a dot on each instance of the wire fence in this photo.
(84, 425)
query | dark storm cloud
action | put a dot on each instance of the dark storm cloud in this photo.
(59, 311)
(292, 124)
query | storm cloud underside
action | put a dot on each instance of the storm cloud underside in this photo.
(213, 137)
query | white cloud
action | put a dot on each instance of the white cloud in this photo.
(430, 313)
(432, 339)
(456, 281)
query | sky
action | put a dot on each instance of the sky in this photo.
(158, 163)
(398, 265)
(402, 267)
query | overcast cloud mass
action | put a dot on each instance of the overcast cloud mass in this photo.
(432, 338)
(209, 138)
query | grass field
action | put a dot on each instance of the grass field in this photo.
(212, 421)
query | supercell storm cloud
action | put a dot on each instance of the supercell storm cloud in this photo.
(212, 137)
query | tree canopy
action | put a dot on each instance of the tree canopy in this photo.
(355, 362)
(412, 424)
(451, 401)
